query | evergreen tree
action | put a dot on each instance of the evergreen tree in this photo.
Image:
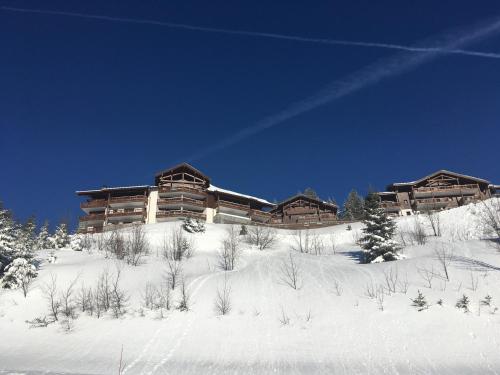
(42, 239)
(420, 302)
(61, 237)
(7, 237)
(311, 193)
(353, 207)
(26, 239)
(377, 242)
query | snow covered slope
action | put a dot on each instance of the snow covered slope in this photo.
(334, 327)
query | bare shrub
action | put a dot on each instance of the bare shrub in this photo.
(119, 297)
(222, 304)
(308, 243)
(284, 318)
(427, 275)
(489, 217)
(391, 277)
(184, 302)
(116, 245)
(290, 273)
(404, 284)
(84, 299)
(332, 241)
(338, 287)
(417, 233)
(371, 290)
(445, 256)
(435, 221)
(157, 298)
(137, 245)
(68, 300)
(178, 245)
(261, 236)
(50, 292)
(87, 242)
(474, 280)
(103, 290)
(380, 297)
(230, 251)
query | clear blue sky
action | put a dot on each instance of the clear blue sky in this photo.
(86, 102)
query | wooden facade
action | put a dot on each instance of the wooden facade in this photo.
(438, 191)
(302, 210)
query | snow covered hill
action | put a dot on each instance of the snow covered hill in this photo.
(336, 322)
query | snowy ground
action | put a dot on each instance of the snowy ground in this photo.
(345, 333)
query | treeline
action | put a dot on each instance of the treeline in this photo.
(19, 242)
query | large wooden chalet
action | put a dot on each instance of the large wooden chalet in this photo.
(438, 191)
(183, 191)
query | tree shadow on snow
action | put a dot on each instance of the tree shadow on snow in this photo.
(469, 263)
(356, 255)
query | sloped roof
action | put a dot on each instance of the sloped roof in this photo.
(224, 191)
(182, 165)
(444, 171)
(106, 189)
(303, 196)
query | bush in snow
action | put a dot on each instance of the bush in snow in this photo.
(222, 304)
(420, 302)
(193, 225)
(177, 245)
(377, 242)
(243, 230)
(230, 250)
(290, 273)
(184, 302)
(261, 236)
(75, 242)
(306, 242)
(61, 238)
(463, 303)
(20, 273)
(137, 245)
(489, 217)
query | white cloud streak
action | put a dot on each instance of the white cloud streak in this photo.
(358, 80)
(296, 38)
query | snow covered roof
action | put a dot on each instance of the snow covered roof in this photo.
(220, 190)
(299, 196)
(386, 193)
(439, 172)
(104, 189)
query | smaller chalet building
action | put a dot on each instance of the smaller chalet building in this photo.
(438, 191)
(183, 191)
(302, 210)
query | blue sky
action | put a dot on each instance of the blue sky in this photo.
(88, 102)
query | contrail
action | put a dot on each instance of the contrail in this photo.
(372, 74)
(296, 38)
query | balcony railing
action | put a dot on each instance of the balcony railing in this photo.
(180, 200)
(96, 203)
(180, 213)
(127, 213)
(92, 217)
(130, 198)
(467, 189)
(390, 206)
(236, 206)
(180, 189)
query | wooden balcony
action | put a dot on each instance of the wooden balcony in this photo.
(180, 213)
(182, 189)
(96, 203)
(131, 198)
(127, 213)
(232, 205)
(260, 216)
(434, 203)
(390, 206)
(90, 230)
(180, 201)
(93, 217)
(443, 191)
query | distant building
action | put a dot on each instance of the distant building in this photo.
(438, 191)
(303, 210)
(178, 192)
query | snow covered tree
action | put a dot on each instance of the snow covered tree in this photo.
(26, 239)
(377, 242)
(7, 237)
(61, 237)
(311, 193)
(42, 239)
(353, 207)
(19, 274)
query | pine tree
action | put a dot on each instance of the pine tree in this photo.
(61, 237)
(377, 242)
(353, 207)
(42, 240)
(26, 239)
(420, 302)
(311, 193)
(7, 237)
